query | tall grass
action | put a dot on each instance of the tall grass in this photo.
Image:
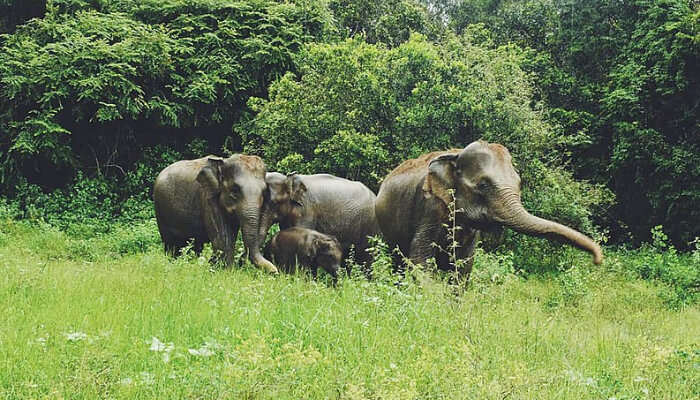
(112, 317)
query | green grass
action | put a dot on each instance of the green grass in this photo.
(78, 317)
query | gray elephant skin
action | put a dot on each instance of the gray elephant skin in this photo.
(305, 247)
(209, 199)
(328, 204)
(412, 204)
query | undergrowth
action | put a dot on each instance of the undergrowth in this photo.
(112, 316)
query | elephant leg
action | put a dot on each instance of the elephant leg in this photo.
(468, 239)
(422, 243)
(364, 259)
(173, 246)
(221, 230)
(198, 246)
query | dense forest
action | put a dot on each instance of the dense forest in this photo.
(599, 101)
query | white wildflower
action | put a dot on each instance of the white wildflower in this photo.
(579, 378)
(160, 347)
(75, 336)
(147, 378)
(206, 350)
(126, 381)
(201, 352)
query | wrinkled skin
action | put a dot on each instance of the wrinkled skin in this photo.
(412, 204)
(209, 199)
(305, 247)
(325, 203)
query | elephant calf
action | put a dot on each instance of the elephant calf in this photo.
(305, 247)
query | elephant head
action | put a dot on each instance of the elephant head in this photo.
(326, 251)
(238, 185)
(487, 193)
(285, 201)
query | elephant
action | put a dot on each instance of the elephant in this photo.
(326, 203)
(305, 247)
(413, 205)
(208, 200)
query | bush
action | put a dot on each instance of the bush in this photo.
(93, 205)
(94, 82)
(660, 261)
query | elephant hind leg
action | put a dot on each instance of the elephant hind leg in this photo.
(173, 246)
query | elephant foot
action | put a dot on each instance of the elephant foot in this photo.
(268, 267)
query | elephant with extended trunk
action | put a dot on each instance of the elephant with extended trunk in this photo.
(413, 204)
(325, 203)
(209, 199)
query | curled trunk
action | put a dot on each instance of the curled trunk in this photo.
(518, 219)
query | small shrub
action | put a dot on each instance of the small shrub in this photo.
(573, 286)
(492, 268)
(660, 261)
(383, 264)
(135, 238)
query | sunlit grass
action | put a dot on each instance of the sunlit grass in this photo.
(80, 320)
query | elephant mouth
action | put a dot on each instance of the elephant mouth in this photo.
(477, 221)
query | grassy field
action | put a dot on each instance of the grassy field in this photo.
(112, 317)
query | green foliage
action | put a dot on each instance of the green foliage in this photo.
(493, 268)
(390, 22)
(604, 88)
(651, 107)
(573, 287)
(660, 261)
(351, 155)
(91, 206)
(79, 77)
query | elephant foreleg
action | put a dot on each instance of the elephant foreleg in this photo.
(221, 230)
(468, 239)
(422, 243)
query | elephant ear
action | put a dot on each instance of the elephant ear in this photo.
(440, 178)
(297, 189)
(210, 175)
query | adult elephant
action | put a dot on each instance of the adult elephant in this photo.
(208, 200)
(328, 204)
(412, 206)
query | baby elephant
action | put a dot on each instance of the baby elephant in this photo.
(305, 247)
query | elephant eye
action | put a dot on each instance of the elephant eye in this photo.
(483, 185)
(235, 190)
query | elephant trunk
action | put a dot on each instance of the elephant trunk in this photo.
(250, 230)
(267, 219)
(517, 218)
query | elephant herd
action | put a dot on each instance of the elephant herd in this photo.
(321, 216)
